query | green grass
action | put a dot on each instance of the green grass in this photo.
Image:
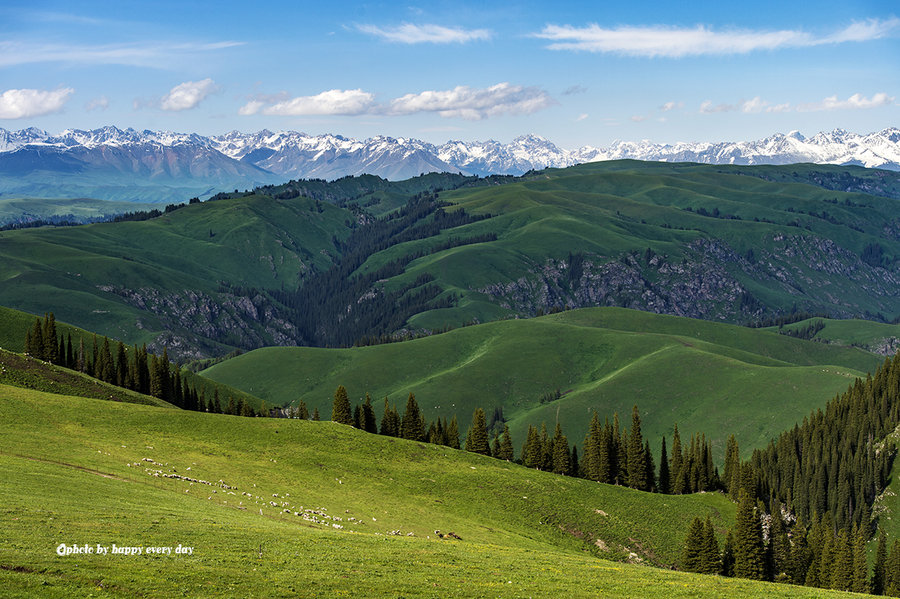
(706, 377)
(30, 373)
(872, 336)
(15, 209)
(137, 280)
(76, 472)
(83, 274)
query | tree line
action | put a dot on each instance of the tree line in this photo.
(806, 501)
(131, 368)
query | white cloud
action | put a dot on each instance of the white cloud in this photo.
(582, 117)
(671, 106)
(101, 103)
(187, 95)
(25, 103)
(425, 34)
(854, 102)
(460, 102)
(474, 104)
(145, 54)
(673, 42)
(754, 106)
(707, 107)
(638, 118)
(331, 102)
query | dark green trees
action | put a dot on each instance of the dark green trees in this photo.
(477, 437)
(749, 553)
(340, 409)
(413, 425)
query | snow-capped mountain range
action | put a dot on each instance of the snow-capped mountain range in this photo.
(182, 161)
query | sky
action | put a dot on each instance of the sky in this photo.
(577, 73)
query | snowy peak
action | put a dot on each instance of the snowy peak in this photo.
(292, 154)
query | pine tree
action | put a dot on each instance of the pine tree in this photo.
(749, 553)
(574, 465)
(693, 547)
(340, 410)
(121, 365)
(860, 583)
(247, 409)
(878, 571)
(650, 468)
(728, 556)
(217, 405)
(37, 340)
(679, 484)
(411, 425)
(710, 561)
(452, 433)
(302, 411)
(315, 414)
(637, 464)
(560, 452)
(506, 447)
(232, 407)
(51, 347)
(495, 446)
(732, 468)
(532, 453)
(590, 459)
(368, 416)
(665, 481)
(477, 437)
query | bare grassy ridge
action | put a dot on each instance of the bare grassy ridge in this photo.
(79, 471)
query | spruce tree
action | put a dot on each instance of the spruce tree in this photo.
(121, 365)
(637, 464)
(710, 561)
(665, 481)
(368, 416)
(532, 454)
(749, 553)
(878, 570)
(315, 414)
(37, 340)
(590, 459)
(411, 425)
(679, 484)
(560, 452)
(506, 447)
(495, 446)
(340, 409)
(49, 339)
(860, 583)
(477, 437)
(728, 556)
(302, 411)
(732, 468)
(693, 547)
(452, 433)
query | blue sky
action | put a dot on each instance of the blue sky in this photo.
(578, 73)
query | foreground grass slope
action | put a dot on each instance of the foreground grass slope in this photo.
(706, 377)
(80, 471)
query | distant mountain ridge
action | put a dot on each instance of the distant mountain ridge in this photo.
(112, 163)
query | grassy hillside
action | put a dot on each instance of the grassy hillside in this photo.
(706, 377)
(35, 374)
(872, 336)
(23, 210)
(719, 243)
(806, 243)
(80, 471)
(134, 280)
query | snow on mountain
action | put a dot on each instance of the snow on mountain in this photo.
(244, 158)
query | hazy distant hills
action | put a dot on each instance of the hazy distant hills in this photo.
(155, 166)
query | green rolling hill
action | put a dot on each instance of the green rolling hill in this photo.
(275, 507)
(706, 377)
(720, 243)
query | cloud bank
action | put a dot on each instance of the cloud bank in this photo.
(674, 42)
(460, 102)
